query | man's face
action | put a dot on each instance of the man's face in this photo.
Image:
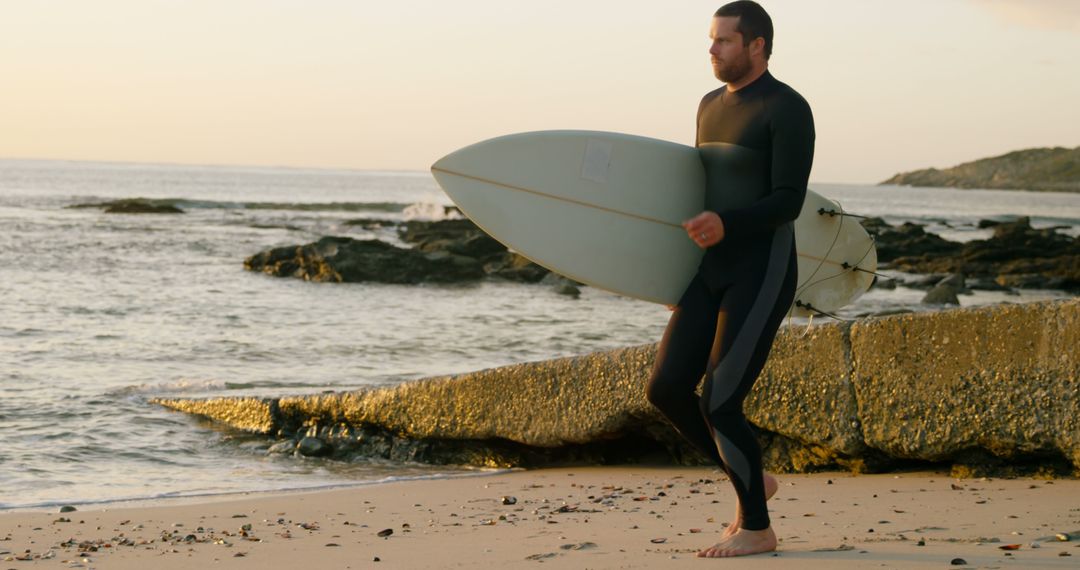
(730, 58)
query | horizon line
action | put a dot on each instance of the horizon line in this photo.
(284, 167)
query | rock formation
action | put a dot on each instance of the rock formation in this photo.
(980, 388)
(1015, 256)
(447, 251)
(342, 259)
(134, 206)
(1047, 169)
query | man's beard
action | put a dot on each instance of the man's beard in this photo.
(734, 70)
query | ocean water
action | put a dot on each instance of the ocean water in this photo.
(101, 312)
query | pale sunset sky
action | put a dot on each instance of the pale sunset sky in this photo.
(364, 84)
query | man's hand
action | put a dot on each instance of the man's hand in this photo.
(706, 229)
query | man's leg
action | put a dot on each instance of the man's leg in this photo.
(680, 363)
(753, 309)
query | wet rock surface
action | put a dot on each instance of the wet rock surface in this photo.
(945, 292)
(447, 251)
(986, 389)
(347, 260)
(1016, 256)
(314, 447)
(907, 239)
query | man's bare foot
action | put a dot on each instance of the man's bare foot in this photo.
(771, 486)
(742, 543)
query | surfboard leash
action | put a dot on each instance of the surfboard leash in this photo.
(813, 313)
(809, 324)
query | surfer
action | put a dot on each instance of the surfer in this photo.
(725, 322)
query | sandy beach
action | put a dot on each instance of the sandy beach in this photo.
(590, 517)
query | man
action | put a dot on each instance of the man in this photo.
(725, 323)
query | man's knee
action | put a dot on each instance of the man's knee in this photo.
(724, 417)
(661, 393)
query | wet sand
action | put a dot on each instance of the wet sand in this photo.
(594, 517)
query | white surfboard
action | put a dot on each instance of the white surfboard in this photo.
(606, 209)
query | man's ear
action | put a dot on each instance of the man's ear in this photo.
(757, 47)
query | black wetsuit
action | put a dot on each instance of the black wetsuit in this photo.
(727, 319)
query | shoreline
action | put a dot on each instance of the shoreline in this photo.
(221, 496)
(593, 517)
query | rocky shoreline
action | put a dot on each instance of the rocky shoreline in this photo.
(456, 251)
(445, 251)
(987, 390)
(1015, 257)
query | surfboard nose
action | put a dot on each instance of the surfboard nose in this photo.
(441, 164)
(461, 160)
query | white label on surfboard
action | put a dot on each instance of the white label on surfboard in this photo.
(597, 160)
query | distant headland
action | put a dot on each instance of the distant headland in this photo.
(1038, 169)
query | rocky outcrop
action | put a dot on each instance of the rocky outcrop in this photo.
(907, 239)
(944, 293)
(999, 383)
(446, 251)
(341, 259)
(993, 386)
(1047, 169)
(1015, 256)
(134, 206)
(464, 238)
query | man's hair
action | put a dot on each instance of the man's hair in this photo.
(754, 22)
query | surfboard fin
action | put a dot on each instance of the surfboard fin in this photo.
(815, 311)
(832, 213)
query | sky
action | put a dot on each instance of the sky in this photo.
(383, 85)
